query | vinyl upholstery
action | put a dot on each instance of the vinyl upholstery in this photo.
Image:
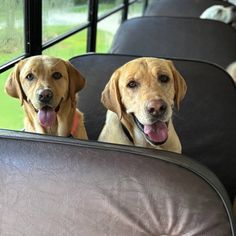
(206, 120)
(181, 8)
(62, 186)
(187, 38)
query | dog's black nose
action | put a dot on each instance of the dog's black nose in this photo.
(45, 95)
(156, 107)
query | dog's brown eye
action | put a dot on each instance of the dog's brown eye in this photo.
(163, 78)
(132, 84)
(56, 75)
(29, 77)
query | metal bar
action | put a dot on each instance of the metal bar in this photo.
(145, 6)
(33, 27)
(61, 37)
(109, 13)
(84, 26)
(125, 10)
(115, 10)
(92, 30)
(11, 63)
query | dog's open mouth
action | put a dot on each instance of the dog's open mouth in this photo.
(156, 133)
(47, 114)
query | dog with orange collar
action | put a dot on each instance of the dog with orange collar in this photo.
(46, 87)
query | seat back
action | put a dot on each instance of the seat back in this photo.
(183, 8)
(61, 186)
(187, 38)
(206, 120)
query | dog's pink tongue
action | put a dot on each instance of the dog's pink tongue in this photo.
(47, 116)
(157, 132)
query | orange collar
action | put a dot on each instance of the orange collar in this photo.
(75, 125)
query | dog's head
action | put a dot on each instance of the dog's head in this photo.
(45, 83)
(146, 89)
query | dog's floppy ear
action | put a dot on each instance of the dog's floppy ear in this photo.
(179, 84)
(76, 80)
(13, 85)
(111, 98)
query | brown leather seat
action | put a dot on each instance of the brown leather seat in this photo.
(61, 186)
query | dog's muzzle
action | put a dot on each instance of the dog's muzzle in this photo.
(155, 133)
(46, 113)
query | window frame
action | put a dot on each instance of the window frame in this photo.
(33, 28)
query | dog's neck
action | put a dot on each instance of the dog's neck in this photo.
(61, 127)
(132, 132)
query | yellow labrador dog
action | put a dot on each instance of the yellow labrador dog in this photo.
(139, 97)
(47, 87)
